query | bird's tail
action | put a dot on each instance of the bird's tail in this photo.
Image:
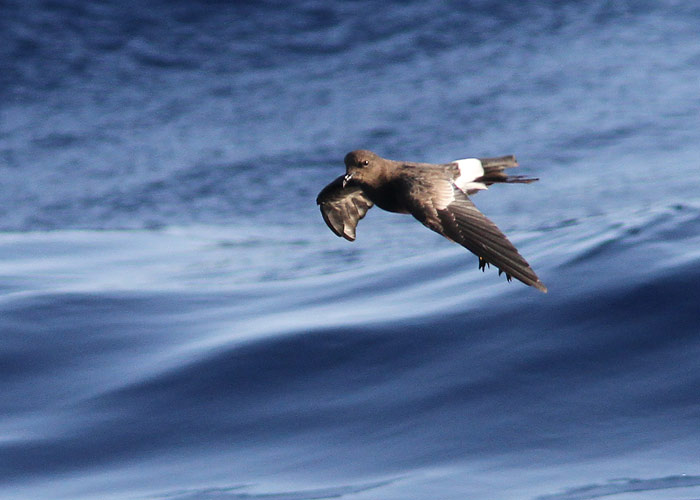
(494, 171)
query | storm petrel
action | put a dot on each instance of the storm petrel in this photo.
(436, 195)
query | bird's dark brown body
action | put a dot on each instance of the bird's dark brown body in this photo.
(436, 195)
(388, 196)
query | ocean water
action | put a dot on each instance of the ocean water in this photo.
(177, 322)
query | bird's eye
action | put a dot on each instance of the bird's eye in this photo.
(365, 163)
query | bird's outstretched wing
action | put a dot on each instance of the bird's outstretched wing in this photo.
(342, 207)
(447, 210)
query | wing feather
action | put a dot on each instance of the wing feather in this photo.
(343, 207)
(461, 222)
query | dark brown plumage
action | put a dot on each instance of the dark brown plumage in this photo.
(436, 195)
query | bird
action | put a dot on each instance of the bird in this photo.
(437, 195)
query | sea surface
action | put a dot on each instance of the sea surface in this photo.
(178, 323)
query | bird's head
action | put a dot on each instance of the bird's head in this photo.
(358, 164)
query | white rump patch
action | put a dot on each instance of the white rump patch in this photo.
(470, 169)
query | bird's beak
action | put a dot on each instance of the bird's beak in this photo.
(346, 179)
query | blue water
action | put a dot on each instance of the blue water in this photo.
(177, 322)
